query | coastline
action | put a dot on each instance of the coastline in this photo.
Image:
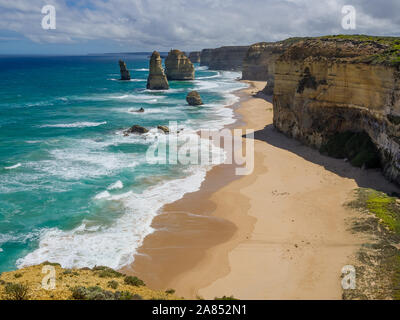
(283, 227)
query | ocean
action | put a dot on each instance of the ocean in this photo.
(73, 188)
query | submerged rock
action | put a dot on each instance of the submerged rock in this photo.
(139, 110)
(125, 75)
(135, 129)
(178, 66)
(157, 79)
(165, 129)
(193, 98)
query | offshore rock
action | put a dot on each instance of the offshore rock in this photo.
(178, 66)
(136, 129)
(124, 71)
(193, 98)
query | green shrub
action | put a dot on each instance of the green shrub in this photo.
(170, 291)
(112, 284)
(91, 293)
(54, 264)
(97, 293)
(16, 291)
(106, 272)
(133, 281)
(225, 298)
(18, 275)
(126, 295)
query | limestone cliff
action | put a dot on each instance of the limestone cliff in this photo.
(224, 58)
(259, 62)
(332, 85)
(156, 79)
(194, 56)
(125, 75)
(178, 66)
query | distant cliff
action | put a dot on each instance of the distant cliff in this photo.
(342, 94)
(224, 58)
(195, 56)
(259, 62)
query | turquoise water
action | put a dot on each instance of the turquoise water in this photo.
(73, 188)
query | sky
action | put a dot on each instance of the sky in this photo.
(102, 26)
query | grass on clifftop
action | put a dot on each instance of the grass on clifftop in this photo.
(383, 206)
(390, 56)
(378, 260)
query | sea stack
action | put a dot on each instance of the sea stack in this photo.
(124, 71)
(157, 79)
(193, 98)
(178, 66)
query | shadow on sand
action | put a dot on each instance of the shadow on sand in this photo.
(371, 178)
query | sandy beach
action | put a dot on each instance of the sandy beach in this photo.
(281, 232)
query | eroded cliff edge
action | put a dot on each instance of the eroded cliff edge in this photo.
(259, 61)
(332, 85)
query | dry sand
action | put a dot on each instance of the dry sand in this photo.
(281, 232)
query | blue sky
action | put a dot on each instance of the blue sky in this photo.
(97, 26)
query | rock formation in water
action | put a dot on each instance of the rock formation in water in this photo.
(164, 129)
(124, 71)
(224, 58)
(141, 110)
(335, 93)
(178, 66)
(194, 56)
(136, 129)
(193, 98)
(157, 79)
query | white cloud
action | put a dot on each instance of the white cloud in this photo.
(192, 23)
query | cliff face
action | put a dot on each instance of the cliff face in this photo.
(194, 56)
(178, 66)
(224, 58)
(259, 62)
(156, 79)
(328, 86)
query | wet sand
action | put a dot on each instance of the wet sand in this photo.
(281, 232)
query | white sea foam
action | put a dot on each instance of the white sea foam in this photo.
(142, 69)
(13, 167)
(115, 245)
(132, 80)
(201, 68)
(116, 185)
(74, 125)
(102, 195)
